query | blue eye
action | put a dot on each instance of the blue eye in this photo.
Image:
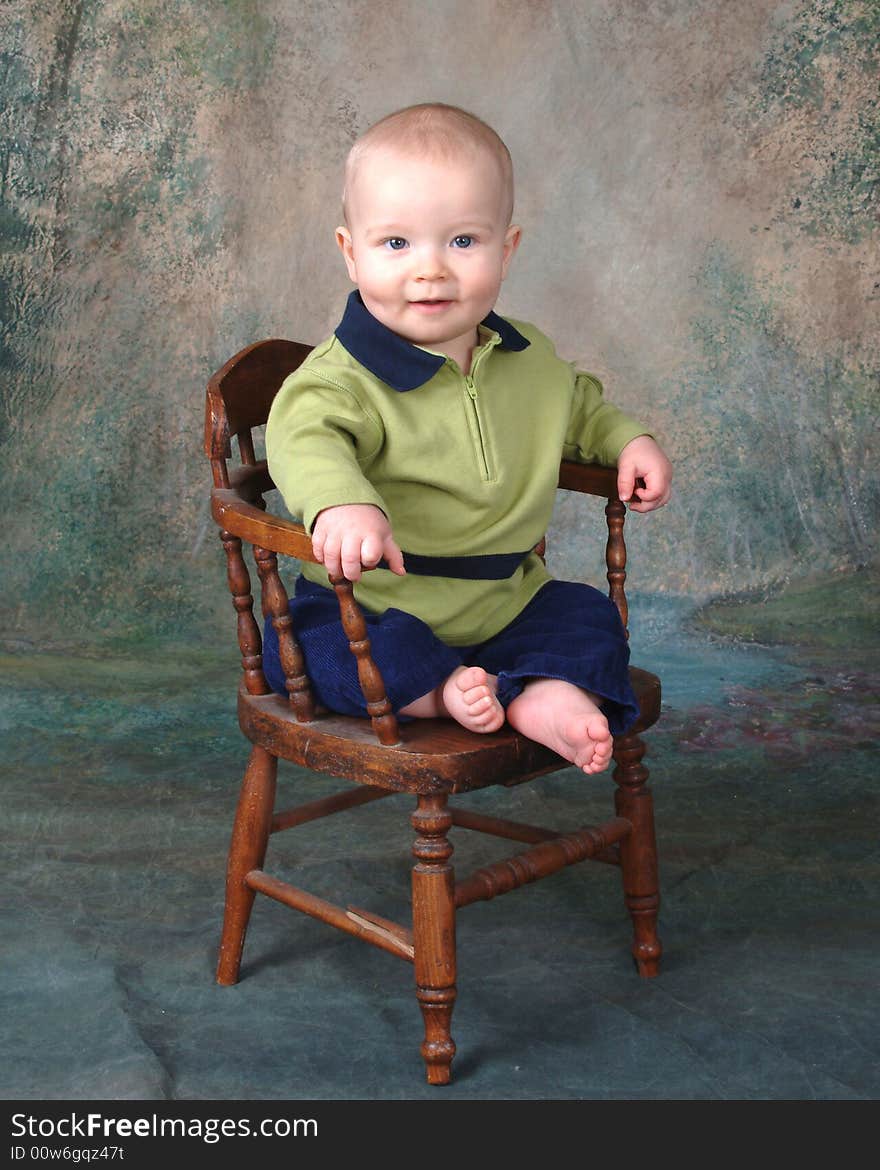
(463, 241)
(396, 243)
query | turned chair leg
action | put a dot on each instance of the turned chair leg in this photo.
(638, 852)
(247, 851)
(433, 902)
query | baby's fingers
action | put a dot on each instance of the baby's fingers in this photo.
(351, 557)
(371, 551)
(330, 556)
(394, 557)
(649, 498)
(375, 548)
(626, 482)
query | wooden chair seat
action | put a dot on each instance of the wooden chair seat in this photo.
(431, 759)
(433, 755)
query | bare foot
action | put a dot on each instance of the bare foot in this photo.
(468, 696)
(565, 719)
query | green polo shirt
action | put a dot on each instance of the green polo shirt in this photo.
(465, 467)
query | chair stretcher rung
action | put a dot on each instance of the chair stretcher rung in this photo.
(499, 827)
(545, 859)
(378, 925)
(388, 936)
(518, 831)
(327, 805)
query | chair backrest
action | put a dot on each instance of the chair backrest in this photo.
(239, 397)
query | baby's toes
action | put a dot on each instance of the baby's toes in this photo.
(492, 718)
(599, 733)
(470, 679)
(601, 757)
(584, 759)
(477, 699)
(485, 710)
(603, 753)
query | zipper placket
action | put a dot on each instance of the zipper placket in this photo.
(470, 387)
(475, 411)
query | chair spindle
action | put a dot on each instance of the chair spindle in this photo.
(274, 597)
(615, 558)
(246, 448)
(372, 683)
(249, 640)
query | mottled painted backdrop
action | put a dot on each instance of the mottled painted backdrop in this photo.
(697, 181)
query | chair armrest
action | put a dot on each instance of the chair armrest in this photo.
(590, 478)
(260, 528)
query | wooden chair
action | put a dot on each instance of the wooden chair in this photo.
(432, 759)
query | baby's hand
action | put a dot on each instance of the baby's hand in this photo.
(352, 537)
(643, 459)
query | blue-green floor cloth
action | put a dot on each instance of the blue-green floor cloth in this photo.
(121, 778)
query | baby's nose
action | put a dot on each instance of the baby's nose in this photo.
(430, 264)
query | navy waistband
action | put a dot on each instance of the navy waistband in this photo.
(488, 567)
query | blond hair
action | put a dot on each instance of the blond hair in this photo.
(435, 130)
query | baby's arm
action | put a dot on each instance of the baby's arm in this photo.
(319, 439)
(642, 458)
(599, 432)
(347, 537)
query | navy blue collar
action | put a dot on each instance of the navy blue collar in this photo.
(399, 363)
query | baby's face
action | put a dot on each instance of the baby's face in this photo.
(428, 245)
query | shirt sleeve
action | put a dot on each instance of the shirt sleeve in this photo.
(319, 438)
(597, 431)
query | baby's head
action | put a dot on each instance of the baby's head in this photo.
(427, 236)
(431, 131)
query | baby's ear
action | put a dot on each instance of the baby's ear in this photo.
(343, 239)
(512, 237)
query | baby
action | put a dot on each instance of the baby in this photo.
(422, 442)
